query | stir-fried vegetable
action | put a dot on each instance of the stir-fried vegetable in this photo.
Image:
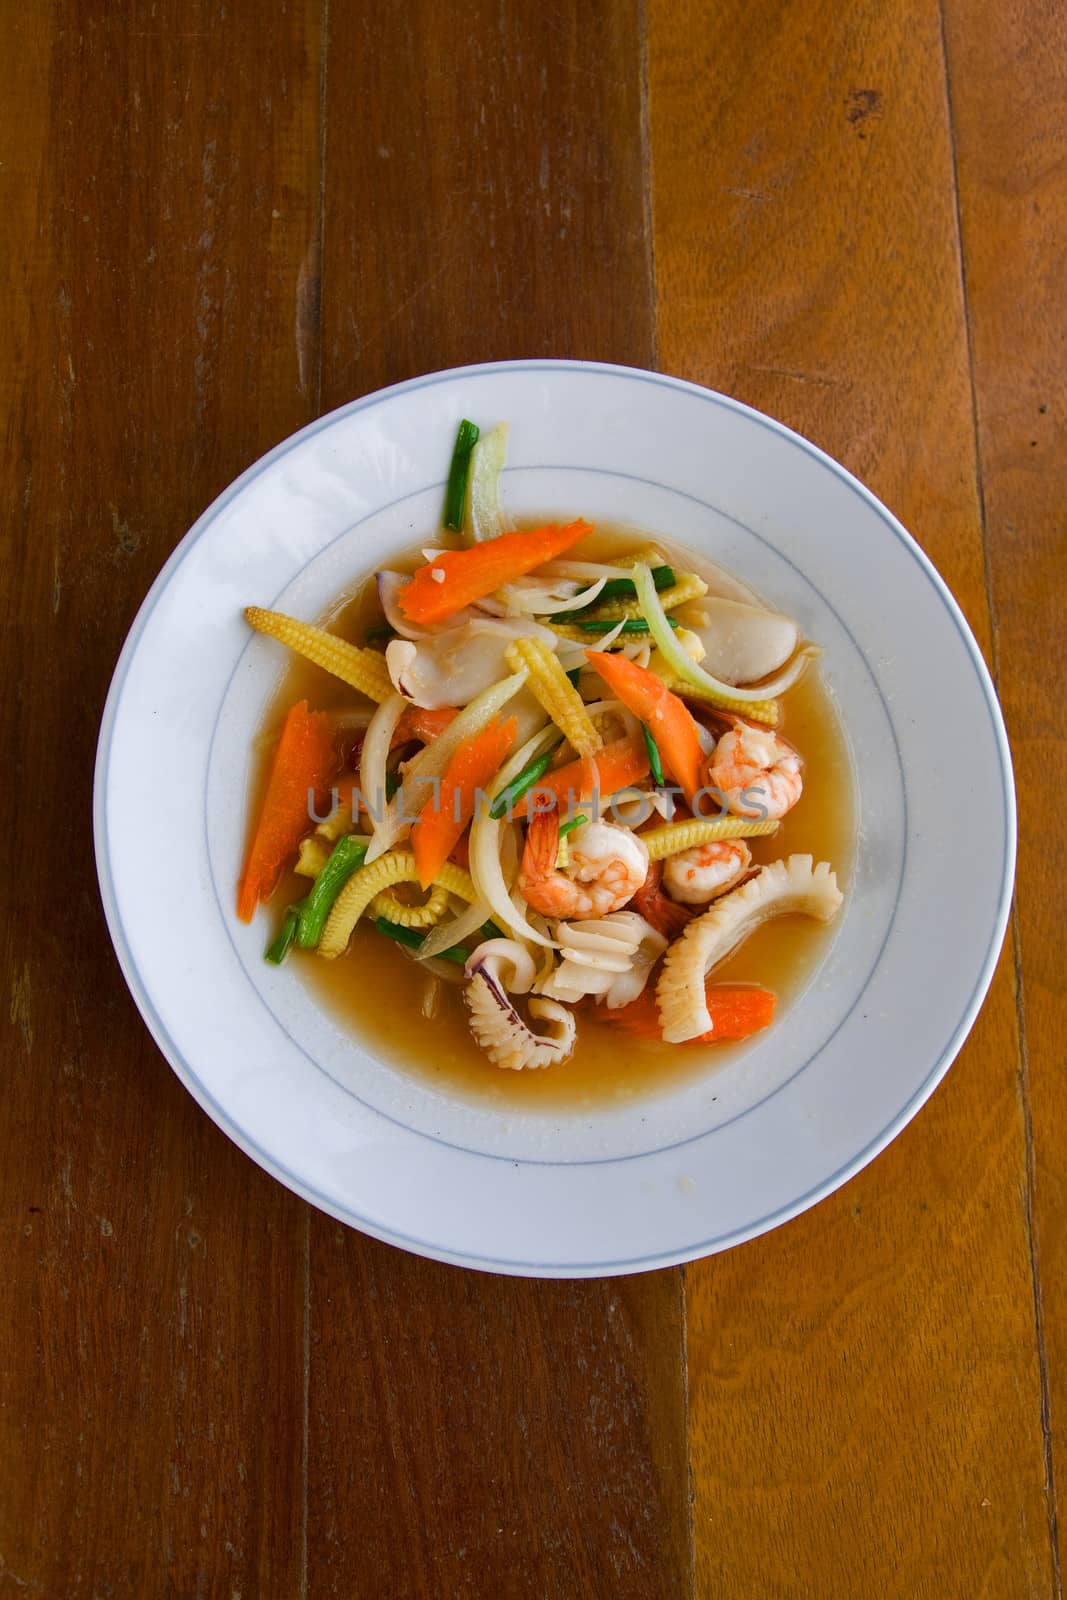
(557, 694)
(397, 867)
(674, 837)
(655, 765)
(725, 694)
(617, 766)
(458, 578)
(456, 490)
(364, 669)
(446, 815)
(459, 954)
(304, 763)
(666, 718)
(736, 1010)
(484, 518)
(623, 588)
(508, 797)
(281, 944)
(347, 854)
(684, 589)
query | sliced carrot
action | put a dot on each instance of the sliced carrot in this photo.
(418, 723)
(615, 767)
(736, 1010)
(445, 815)
(306, 759)
(457, 578)
(667, 718)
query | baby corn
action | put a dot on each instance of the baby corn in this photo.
(688, 587)
(755, 710)
(395, 911)
(362, 887)
(314, 854)
(364, 670)
(676, 836)
(551, 686)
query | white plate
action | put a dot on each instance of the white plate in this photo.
(703, 1166)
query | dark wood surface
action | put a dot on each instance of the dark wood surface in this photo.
(220, 219)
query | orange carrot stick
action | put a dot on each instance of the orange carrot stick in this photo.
(615, 767)
(457, 578)
(306, 758)
(667, 718)
(445, 815)
(736, 1010)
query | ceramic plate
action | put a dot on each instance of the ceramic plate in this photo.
(704, 1165)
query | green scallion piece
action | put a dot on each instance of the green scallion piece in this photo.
(392, 784)
(619, 589)
(458, 472)
(346, 855)
(380, 631)
(408, 936)
(575, 675)
(281, 944)
(519, 785)
(655, 765)
(570, 825)
(631, 625)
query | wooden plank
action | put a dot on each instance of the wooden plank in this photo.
(151, 1325)
(1008, 84)
(472, 1434)
(864, 1384)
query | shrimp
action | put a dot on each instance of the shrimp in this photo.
(665, 915)
(756, 771)
(699, 874)
(607, 866)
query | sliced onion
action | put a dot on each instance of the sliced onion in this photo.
(545, 599)
(379, 737)
(351, 719)
(690, 671)
(446, 934)
(432, 760)
(488, 874)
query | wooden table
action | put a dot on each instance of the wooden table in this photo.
(222, 219)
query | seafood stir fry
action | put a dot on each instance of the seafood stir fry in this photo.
(547, 785)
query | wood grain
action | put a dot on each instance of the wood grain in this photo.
(472, 1435)
(151, 1324)
(1008, 83)
(865, 1386)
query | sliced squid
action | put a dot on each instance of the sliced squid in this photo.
(744, 643)
(784, 887)
(609, 958)
(497, 970)
(450, 669)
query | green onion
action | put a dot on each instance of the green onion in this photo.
(570, 825)
(346, 855)
(458, 954)
(280, 946)
(752, 702)
(654, 762)
(618, 589)
(631, 625)
(575, 675)
(393, 781)
(456, 492)
(491, 931)
(519, 785)
(380, 630)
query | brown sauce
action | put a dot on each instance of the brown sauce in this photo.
(378, 992)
